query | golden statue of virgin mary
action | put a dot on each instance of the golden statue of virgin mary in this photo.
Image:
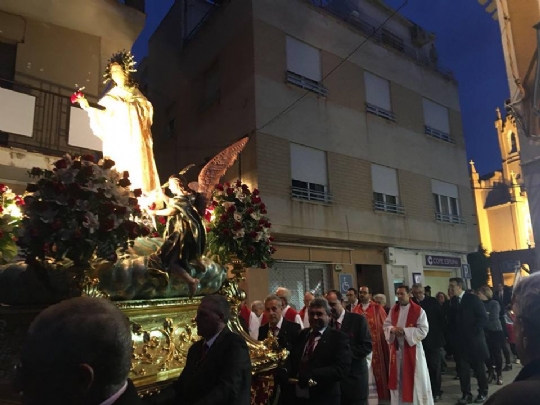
(125, 124)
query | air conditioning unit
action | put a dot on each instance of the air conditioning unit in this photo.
(390, 255)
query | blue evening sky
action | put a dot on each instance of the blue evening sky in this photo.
(468, 42)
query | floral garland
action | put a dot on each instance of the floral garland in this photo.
(10, 218)
(237, 226)
(79, 210)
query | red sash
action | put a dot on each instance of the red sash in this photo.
(290, 315)
(245, 313)
(408, 355)
(302, 313)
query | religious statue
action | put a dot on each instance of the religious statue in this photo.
(124, 125)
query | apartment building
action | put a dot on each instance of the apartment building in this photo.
(48, 49)
(356, 139)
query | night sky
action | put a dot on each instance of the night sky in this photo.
(468, 42)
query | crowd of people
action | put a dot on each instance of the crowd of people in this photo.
(79, 351)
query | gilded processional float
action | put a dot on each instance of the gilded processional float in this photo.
(108, 229)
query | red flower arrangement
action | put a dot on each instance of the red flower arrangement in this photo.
(237, 226)
(79, 210)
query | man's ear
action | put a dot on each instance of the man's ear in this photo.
(85, 377)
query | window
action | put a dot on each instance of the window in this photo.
(389, 38)
(446, 202)
(378, 96)
(385, 189)
(8, 56)
(304, 66)
(436, 121)
(309, 175)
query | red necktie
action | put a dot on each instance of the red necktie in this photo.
(274, 330)
(310, 347)
(338, 325)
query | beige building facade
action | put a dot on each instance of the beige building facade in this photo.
(359, 156)
(47, 50)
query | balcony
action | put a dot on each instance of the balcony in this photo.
(449, 218)
(386, 207)
(380, 112)
(309, 194)
(307, 84)
(382, 36)
(43, 121)
(435, 133)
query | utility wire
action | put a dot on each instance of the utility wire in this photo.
(291, 106)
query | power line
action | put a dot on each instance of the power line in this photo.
(291, 106)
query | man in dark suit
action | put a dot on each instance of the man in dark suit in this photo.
(525, 390)
(285, 331)
(468, 318)
(218, 367)
(78, 352)
(352, 299)
(503, 295)
(434, 340)
(354, 387)
(320, 359)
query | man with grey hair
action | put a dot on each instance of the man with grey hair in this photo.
(218, 367)
(381, 300)
(289, 313)
(320, 359)
(525, 390)
(78, 352)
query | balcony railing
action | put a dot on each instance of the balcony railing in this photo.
(435, 133)
(386, 207)
(449, 218)
(305, 83)
(43, 121)
(311, 195)
(380, 112)
(383, 36)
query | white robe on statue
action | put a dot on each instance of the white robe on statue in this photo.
(413, 336)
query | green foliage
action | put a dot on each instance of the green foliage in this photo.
(237, 226)
(480, 263)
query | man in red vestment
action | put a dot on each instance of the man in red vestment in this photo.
(308, 297)
(376, 316)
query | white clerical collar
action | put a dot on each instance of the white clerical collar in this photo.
(211, 341)
(340, 319)
(404, 306)
(118, 394)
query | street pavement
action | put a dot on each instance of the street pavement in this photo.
(451, 389)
